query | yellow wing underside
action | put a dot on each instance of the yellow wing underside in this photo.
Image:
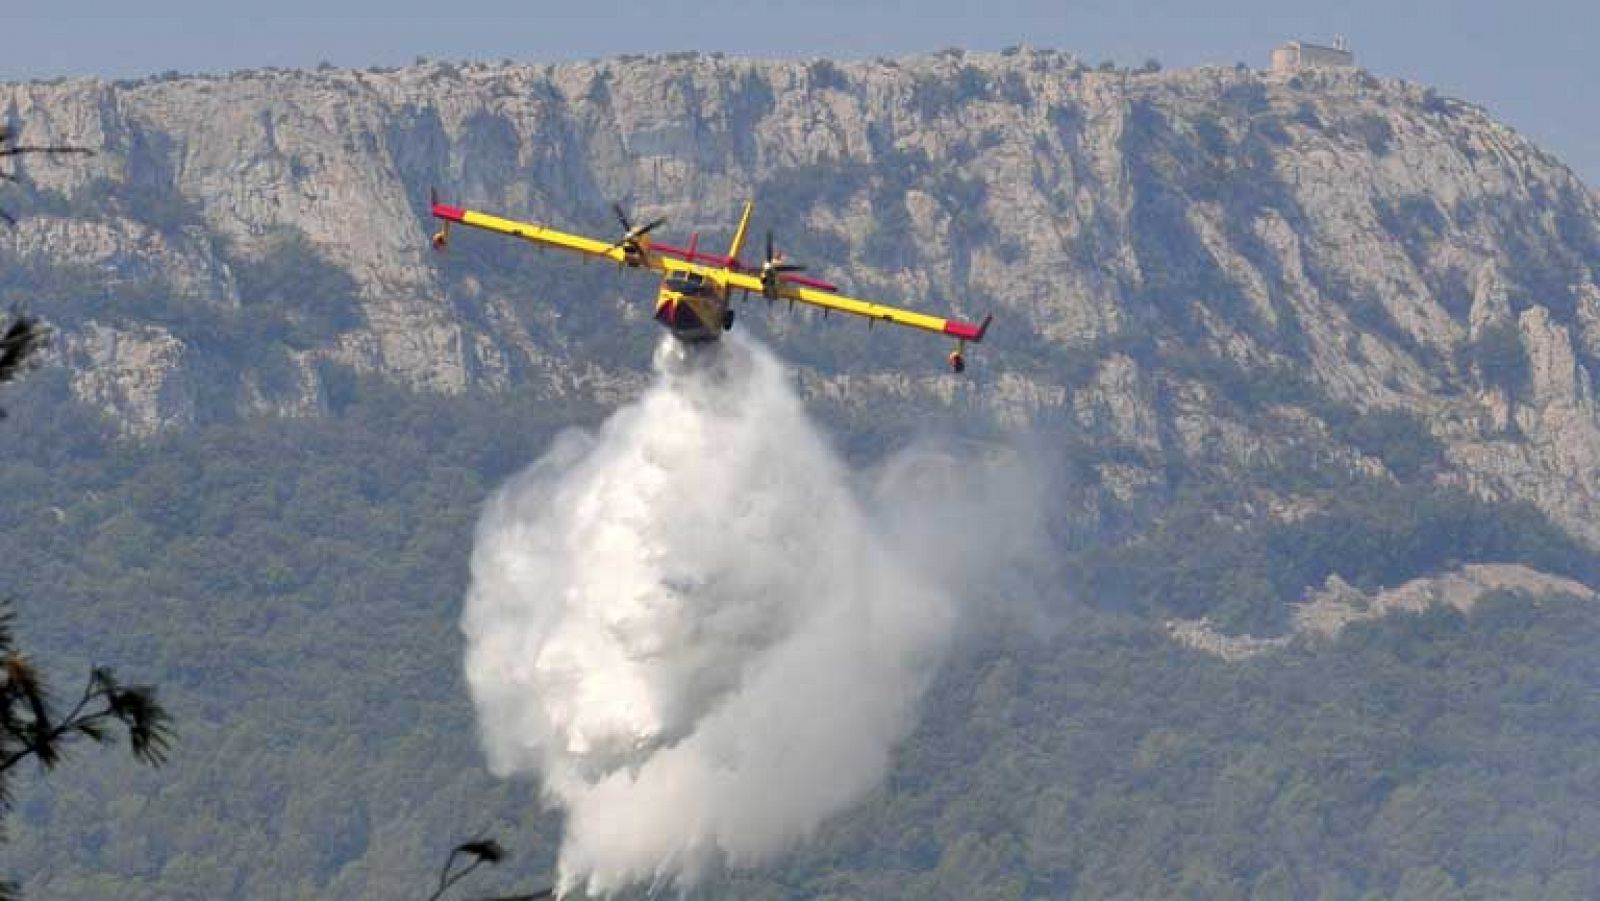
(828, 301)
(538, 234)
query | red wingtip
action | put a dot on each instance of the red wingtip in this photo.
(966, 331)
(443, 210)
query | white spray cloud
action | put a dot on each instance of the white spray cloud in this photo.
(687, 626)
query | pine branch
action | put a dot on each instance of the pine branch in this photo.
(17, 151)
(20, 149)
(149, 726)
(480, 850)
(20, 340)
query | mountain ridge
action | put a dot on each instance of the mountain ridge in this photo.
(1366, 232)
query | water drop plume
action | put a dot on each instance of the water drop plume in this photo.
(687, 627)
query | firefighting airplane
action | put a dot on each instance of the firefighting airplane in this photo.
(693, 300)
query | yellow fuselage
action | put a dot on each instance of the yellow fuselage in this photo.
(693, 306)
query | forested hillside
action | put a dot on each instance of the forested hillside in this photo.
(1260, 332)
(294, 587)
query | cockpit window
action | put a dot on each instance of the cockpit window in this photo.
(686, 282)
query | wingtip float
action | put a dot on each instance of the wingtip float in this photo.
(693, 300)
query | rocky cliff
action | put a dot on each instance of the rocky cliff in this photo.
(1213, 269)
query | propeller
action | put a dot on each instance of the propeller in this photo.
(632, 233)
(772, 270)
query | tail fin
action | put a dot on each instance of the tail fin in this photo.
(744, 229)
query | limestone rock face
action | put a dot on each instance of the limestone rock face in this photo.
(138, 375)
(1551, 455)
(1133, 232)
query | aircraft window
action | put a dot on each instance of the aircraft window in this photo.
(686, 282)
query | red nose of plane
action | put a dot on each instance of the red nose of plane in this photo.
(667, 312)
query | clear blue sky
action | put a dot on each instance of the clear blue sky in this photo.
(1533, 63)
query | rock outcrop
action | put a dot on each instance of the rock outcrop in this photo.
(1327, 611)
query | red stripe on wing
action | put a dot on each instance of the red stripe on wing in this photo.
(817, 283)
(695, 255)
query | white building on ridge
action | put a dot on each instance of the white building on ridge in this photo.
(1296, 56)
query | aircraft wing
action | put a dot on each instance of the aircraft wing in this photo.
(827, 300)
(528, 231)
